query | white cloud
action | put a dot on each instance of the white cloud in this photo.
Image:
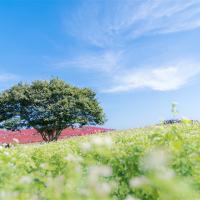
(114, 25)
(111, 23)
(107, 62)
(170, 77)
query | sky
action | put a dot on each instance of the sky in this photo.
(138, 55)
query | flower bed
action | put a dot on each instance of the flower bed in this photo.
(31, 135)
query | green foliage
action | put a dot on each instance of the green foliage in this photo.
(154, 163)
(49, 107)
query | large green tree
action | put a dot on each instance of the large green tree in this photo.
(49, 107)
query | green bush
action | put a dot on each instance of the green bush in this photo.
(154, 163)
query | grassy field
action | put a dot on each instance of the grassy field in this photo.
(153, 163)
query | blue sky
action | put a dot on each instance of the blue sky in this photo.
(138, 55)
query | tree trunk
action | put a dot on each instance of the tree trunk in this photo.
(44, 136)
(56, 135)
(49, 136)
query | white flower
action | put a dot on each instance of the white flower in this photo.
(102, 141)
(12, 165)
(6, 153)
(26, 180)
(84, 191)
(98, 141)
(138, 181)
(34, 197)
(73, 158)
(103, 189)
(86, 146)
(44, 165)
(102, 170)
(129, 197)
(8, 195)
(78, 168)
(156, 160)
(108, 141)
(96, 171)
(166, 175)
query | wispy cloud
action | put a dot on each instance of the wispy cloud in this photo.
(113, 25)
(165, 78)
(107, 61)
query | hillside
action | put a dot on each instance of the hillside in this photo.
(160, 162)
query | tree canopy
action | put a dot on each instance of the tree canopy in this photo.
(49, 107)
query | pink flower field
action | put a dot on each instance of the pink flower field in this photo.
(31, 135)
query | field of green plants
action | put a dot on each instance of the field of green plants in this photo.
(153, 163)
